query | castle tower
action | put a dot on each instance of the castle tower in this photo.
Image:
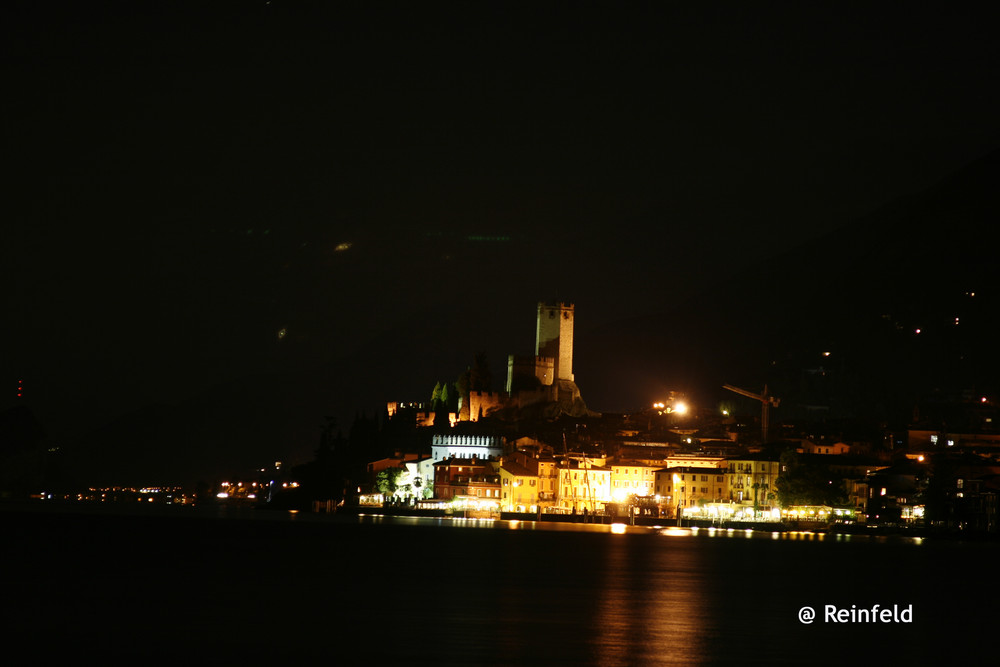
(554, 337)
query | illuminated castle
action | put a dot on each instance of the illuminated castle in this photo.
(554, 337)
(545, 382)
(553, 360)
(547, 377)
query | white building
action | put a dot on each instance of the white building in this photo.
(466, 447)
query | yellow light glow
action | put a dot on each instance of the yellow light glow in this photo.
(680, 407)
(618, 528)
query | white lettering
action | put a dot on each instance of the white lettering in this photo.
(875, 614)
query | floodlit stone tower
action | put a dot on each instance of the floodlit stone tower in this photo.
(554, 337)
(545, 382)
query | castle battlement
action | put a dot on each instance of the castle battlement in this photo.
(481, 403)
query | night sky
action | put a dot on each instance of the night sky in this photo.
(207, 194)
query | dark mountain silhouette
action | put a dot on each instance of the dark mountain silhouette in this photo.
(859, 293)
(236, 427)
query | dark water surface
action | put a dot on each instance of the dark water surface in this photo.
(191, 586)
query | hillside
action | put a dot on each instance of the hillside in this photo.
(859, 293)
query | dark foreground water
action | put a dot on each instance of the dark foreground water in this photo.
(191, 587)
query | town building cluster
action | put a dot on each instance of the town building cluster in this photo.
(691, 475)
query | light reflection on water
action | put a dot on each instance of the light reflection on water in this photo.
(651, 610)
(594, 594)
(623, 529)
(407, 590)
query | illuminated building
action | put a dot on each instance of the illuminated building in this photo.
(465, 446)
(632, 478)
(528, 482)
(396, 461)
(463, 477)
(518, 488)
(417, 480)
(895, 491)
(584, 483)
(857, 495)
(680, 488)
(752, 480)
(807, 446)
(695, 461)
(926, 440)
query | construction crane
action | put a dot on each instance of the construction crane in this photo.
(766, 401)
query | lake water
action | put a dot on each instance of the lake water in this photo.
(193, 586)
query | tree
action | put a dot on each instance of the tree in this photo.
(803, 484)
(462, 386)
(448, 396)
(480, 377)
(386, 481)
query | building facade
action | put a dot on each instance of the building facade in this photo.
(465, 446)
(632, 478)
(687, 487)
(583, 486)
(528, 482)
(753, 480)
